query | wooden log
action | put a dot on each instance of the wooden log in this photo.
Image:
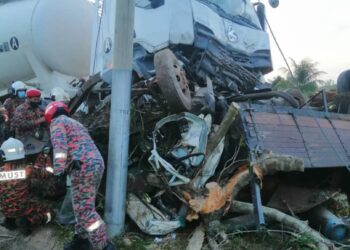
(224, 127)
(217, 197)
(280, 163)
(289, 221)
(269, 165)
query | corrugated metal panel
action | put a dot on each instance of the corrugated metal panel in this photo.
(321, 140)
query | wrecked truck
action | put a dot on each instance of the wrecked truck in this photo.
(223, 40)
(199, 56)
(185, 166)
(181, 42)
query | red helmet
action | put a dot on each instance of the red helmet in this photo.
(53, 108)
(33, 93)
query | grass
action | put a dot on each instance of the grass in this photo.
(136, 241)
(246, 240)
(249, 240)
(269, 241)
(65, 233)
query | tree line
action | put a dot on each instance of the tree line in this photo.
(304, 76)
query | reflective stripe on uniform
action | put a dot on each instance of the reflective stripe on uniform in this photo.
(12, 175)
(48, 217)
(49, 169)
(60, 155)
(94, 226)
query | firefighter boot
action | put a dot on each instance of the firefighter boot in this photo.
(78, 243)
(23, 225)
(9, 223)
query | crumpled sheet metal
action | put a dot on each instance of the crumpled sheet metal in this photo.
(33, 145)
(148, 218)
(157, 161)
(194, 140)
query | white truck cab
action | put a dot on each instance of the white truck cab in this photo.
(51, 40)
(221, 38)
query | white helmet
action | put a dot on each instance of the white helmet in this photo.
(12, 149)
(58, 94)
(16, 86)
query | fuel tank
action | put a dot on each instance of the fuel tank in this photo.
(41, 37)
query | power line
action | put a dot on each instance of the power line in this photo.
(279, 48)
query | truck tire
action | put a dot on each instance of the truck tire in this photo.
(172, 81)
(343, 82)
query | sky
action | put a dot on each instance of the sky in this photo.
(315, 29)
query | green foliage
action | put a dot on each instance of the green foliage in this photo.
(100, 201)
(329, 85)
(282, 84)
(270, 241)
(136, 241)
(304, 72)
(309, 88)
(304, 76)
(302, 241)
(65, 233)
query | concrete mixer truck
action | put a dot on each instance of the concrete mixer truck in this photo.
(53, 42)
(39, 39)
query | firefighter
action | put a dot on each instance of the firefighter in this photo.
(4, 124)
(28, 117)
(19, 206)
(75, 153)
(18, 94)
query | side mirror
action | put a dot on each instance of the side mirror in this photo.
(274, 3)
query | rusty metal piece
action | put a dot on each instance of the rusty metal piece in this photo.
(265, 95)
(299, 199)
(319, 139)
(172, 81)
(298, 96)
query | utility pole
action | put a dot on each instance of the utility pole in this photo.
(119, 45)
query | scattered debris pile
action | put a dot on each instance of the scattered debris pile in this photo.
(224, 158)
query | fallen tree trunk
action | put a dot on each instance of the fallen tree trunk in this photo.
(268, 166)
(276, 215)
(217, 197)
(280, 163)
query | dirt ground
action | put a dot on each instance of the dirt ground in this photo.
(52, 237)
(40, 239)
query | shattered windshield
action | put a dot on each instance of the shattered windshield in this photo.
(240, 11)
